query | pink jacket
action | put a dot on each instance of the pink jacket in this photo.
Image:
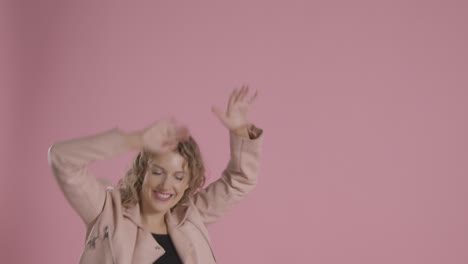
(115, 234)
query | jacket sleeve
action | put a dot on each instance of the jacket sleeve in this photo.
(236, 181)
(69, 160)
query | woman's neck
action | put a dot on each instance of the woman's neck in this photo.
(154, 222)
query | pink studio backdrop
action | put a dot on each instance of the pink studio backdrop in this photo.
(364, 106)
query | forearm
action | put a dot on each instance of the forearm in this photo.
(69, 159)
(244, 156)
(81, 151)
(238, 179)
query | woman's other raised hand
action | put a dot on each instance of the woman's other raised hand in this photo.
(235, 118)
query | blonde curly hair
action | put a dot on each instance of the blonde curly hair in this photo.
(130, 185)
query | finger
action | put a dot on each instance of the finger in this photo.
(168, 142)
(170, 128)
(182, 133)
(168, 148)
(242, 90)
(218, 113)
(252, 99)
(232, 99)
(169, 145)
(244, 94)
(221, 116)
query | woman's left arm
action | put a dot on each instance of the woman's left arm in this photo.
(240, 176)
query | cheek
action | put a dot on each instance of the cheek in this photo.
(185, 187)
(148, 183)
(144, 187)
(181, 188)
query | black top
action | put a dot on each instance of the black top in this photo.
(170, 257)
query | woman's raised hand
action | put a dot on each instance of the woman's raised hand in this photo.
(160, 137)
(235, 117)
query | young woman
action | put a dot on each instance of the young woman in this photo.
(158, 212)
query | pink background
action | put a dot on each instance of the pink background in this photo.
(364, 106)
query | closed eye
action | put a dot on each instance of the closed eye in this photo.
(180, 177)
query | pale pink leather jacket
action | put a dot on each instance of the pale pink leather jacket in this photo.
(115, 234)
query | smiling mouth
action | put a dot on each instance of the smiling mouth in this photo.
(162, 196)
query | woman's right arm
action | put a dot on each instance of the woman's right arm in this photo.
(69, 161)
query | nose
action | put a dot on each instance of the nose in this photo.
(165, 184)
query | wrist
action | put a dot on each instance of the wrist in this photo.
(249, 131)
(242, 131)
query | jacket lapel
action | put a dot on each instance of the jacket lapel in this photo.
(182, 243)
(147, 249)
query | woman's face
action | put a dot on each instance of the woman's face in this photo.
(164, 183)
